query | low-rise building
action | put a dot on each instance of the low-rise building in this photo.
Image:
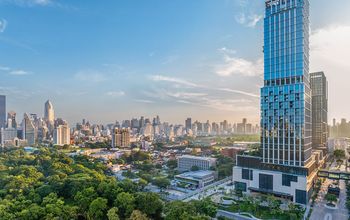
(187, 162)
(196, 179)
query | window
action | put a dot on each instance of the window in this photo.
(287, 179)
(266, 182)
(241, 186)
(300, 196)
(247, 174)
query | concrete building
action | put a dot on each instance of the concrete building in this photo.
(120, 137)
(186, 162)
(30, 132)
(61, 135)
(49, 115)
(285, 167)
(196, 179)
(188, 124)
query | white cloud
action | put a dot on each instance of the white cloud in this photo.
(90, 76)
(250, 20)
(19, 72)
(233, 65)
(3, 25)
(159, 78)
(5, 68)
(239, 92)
(29, 2)
(330, 53)
(115, 93)
(144, 101)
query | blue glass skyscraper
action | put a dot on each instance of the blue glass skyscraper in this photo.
(286, 166)
(286, 95)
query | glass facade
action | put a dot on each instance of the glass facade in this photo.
(286, 95)
(319, 88)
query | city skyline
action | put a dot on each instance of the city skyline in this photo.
(119, 77)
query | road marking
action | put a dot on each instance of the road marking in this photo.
(328, 216)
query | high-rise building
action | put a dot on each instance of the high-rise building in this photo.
(11, 120)
(49, 114)
(2, 111)
(61, 135)
(188, 123)
(285, 167)
(29, 130)
(120, 137)
(319, 91)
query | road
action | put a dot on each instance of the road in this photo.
(320, 212)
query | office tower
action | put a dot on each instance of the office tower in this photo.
(61, 135)
(11, 120)
(242, 127)
(142, 121)
(120, 137)
(135, 123)
(2, 111)
(188, 123)
(285, 167)
(319, 91)
(49, 114)
(29, 130)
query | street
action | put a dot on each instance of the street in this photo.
(321, 212)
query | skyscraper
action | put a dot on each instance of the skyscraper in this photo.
(11, 120)
(61, 135)
(49, 114)
(285, 167)
(319, 90)
(120, 137)
(2, 111)
(29, 130)
(188, 123)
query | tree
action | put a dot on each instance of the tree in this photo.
(125, 203)
(172, 164)
(138, 215)
(161, 182)
(150, 204)
(179, 210)
(331, 198)
(98, 208)
(339, 154)
(85, 197)
(112, 214)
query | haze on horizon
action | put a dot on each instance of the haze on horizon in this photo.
(176, 59)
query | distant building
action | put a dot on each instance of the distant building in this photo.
(2, 111)
(29, 130)
(8, 135)
(319, 91)
(244, 127)
(49, 114)
(120, 137)
(188, 123)
(61, 135)
(11, 120)
(186, 162)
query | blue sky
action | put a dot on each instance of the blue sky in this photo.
(125, 58)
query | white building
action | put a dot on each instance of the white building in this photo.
(61, 135)
(186, 162)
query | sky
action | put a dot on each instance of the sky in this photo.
(117, 59)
